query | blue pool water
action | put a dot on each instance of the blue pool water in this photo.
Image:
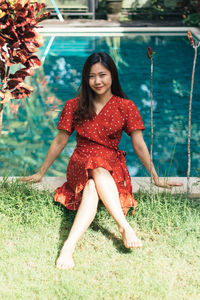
(29, 125)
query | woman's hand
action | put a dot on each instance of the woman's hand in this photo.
(165, 183)
(55, 149)
(33, 178)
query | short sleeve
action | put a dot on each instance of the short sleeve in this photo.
(133, 118)
(66, 118)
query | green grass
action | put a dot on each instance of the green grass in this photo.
(33, 229)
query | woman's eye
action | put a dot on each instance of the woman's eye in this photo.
(91, 76)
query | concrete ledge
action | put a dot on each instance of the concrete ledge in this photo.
(138, 183)
(143, 183)
(101, 28)
(51, 28)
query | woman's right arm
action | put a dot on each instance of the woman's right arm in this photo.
(55, 149)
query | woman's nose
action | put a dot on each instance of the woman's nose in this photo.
(97, 79)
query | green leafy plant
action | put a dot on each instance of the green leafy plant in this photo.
(191, 13)
(157, 5)
(192, 20)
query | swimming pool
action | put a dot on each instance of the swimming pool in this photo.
(30, 125)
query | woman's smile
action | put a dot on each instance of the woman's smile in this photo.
(100, 80)
(98, 87)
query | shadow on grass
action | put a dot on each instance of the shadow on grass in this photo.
(117, 242)
(67, 222)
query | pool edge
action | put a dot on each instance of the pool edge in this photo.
(66, 30)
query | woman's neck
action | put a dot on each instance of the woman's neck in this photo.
(103, 98)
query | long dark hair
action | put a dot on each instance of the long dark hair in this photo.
(86, 95)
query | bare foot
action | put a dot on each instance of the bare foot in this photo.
(129, 238)
(65, 259)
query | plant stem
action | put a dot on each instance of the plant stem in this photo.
(151, 149)
(189, 121)
(7, 72)
(1, 105)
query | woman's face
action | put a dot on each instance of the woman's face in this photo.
(100, 79)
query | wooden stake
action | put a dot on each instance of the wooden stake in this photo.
(189, 120)
(151, 149)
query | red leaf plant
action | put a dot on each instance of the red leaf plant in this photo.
(150, 53)
(19, 40)
(189, 35)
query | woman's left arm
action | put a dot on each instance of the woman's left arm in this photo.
(142, 152)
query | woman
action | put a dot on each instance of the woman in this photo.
(97, 168)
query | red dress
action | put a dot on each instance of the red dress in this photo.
(97, 146)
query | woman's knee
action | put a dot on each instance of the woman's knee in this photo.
(99, 171)
(91, 184)
(91, 189)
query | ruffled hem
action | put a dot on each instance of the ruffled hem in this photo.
(66, 196)
(71, 197)
(96, 162)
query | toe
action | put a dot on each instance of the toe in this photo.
(68, 266)
(59, 266)
(64, 265)
(138, 244)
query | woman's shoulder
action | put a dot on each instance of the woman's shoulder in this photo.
(72, 102)
(123, 102)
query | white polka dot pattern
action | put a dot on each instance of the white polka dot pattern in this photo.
(97, 146)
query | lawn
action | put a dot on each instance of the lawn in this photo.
(33, 229)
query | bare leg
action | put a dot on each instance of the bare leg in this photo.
(85, 215)
(108, 192)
